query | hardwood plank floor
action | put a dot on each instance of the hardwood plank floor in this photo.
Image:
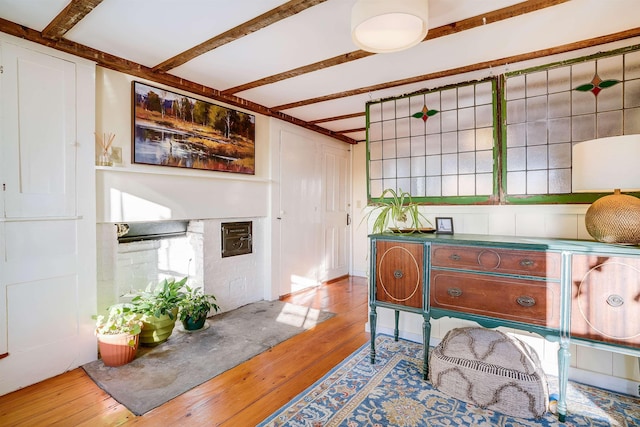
(240, 397)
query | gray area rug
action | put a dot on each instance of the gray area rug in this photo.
(187, 359)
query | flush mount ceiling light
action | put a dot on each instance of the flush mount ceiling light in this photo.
(382, 26)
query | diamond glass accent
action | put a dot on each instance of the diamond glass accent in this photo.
(597, 84)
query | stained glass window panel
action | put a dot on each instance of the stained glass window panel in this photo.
(375, 150)
(418, 139)
(610, 124)
(375, 169)
(418, 145)
(467, 163)
(403, 147)
(560, 106)
(418, 165)
(467, 185)
(419, 186)
(389, 168)
(484, 139)
(632, 94)
(403, 168)
(484, 183)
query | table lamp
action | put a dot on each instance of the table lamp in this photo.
(605, 165)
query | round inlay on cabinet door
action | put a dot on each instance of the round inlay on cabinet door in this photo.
(399, 273)
(606, 299)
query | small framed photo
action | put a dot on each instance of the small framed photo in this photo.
(444, 225)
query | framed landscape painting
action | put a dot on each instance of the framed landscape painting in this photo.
(170, 129)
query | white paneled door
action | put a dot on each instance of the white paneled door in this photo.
(299, 213)
(314, 202)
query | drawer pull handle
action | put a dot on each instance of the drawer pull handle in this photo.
(526, 301)
(398, 274)
(615, 300)
(454, 292)
(526, 263)
(455, 257)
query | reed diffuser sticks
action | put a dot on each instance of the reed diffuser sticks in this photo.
(105, 142)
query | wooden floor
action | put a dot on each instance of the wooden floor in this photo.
(240, 397)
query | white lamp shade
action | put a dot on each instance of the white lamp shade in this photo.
(604, 164)
(382, 26)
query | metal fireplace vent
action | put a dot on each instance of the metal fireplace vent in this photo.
(154, 230)
(236, 238)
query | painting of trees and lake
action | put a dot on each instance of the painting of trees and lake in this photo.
(171, 129)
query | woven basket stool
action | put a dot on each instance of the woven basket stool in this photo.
(492, 370)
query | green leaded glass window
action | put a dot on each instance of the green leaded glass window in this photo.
(550, 109)
(438, 144)
(453, 145)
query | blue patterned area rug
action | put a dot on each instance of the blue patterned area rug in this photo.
(392, 393)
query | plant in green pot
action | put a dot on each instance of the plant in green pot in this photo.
(158, 306)
(396, 211)
(118, 334)
(195, 307)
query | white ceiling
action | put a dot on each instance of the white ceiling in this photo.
(149, 32)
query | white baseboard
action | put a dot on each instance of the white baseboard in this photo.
(359, 273)
(617, 384)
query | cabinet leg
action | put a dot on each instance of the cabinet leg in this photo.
(426, 337)
(564, 356)
(372, 326)
(396, 331)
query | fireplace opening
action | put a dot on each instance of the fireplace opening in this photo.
(154, 230)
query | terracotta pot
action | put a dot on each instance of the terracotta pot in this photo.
(194, 323)
(156, 330)
(115, 349)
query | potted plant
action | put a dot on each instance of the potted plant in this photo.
(158, 306)
(398, 212)
(118, 335)
(195, 307)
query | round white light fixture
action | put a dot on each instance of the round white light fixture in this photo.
(382, 26)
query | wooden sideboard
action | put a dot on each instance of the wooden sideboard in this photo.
(564, 290)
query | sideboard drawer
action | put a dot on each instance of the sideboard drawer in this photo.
(605, 299)
(399, 273)
(499, 260)
(527, 301)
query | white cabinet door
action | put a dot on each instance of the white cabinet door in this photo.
(38, 134)
(300, 223)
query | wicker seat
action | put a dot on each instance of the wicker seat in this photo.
(492, 370)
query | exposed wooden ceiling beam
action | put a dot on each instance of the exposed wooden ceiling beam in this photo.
(137, 70)
(445, 30)
(68, 17)
(336, 118)
(274, 15)
(351, 130)
(622, 35)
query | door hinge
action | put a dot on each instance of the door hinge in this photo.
(1, 69)
(4, 187)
